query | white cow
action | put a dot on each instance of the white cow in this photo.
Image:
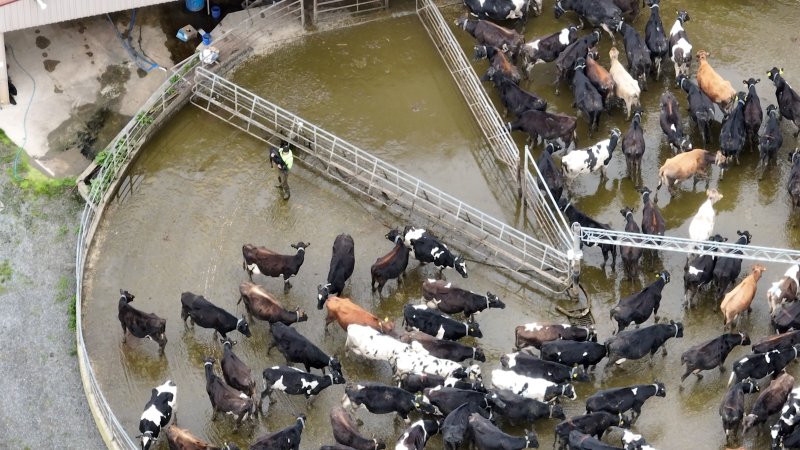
(702, 225)
(412, 362)
(372, 344)
(534, 388)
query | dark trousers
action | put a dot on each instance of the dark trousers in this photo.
(283, 183)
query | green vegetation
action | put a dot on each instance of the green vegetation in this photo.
(72, 311)
(4, 139)
(62, 231)
(63, 290)
(6, 271)
(34, 181)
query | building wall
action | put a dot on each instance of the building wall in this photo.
(26, 13)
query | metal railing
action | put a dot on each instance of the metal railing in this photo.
(386, 185)
(329, 8)
(551, 224)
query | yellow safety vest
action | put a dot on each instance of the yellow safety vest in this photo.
(287, 156)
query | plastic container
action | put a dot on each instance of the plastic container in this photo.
(216, 11)
(207, 39)
(195, 5)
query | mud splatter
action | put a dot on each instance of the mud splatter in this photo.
(44, 54)
(37, 31)
(81, 27)
(42, 42)
(57, 90)
(50, 64)
(86, 46)
(141, 72)
(89, 54)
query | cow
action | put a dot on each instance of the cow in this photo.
(521, 410)
(769, 401)
(535, 334)
(345, 431)
(140, 324)
(204, 313)
(593, 424)
(770, 139)
(635, 344)
(671, 124)
(701, 226)
(157, 413)
(739, 299)
(551, 176)
(655, 38)
(285, 439)
(582, 441)
(712, 353)
(427, 320)
(621, 400)
(547, 48)
(428, 249)
(630, 255)
(345, 313)
(390, 266)
(783, 290)
(442, 348)
(788, 99)
(753, 116)
(416, 436)
(638, 307)
(636, 51)
(266, 262)
(727, 269)
(633, 146)
(777, 342)
(760, 365)
(531, 366)
(411, 362)
(447, 399)
(294, 381)
(343, 261)
(487, 436)
(718, 89)
(699, 272)
(372, 344)
(455, 425)
(701, 108)
(785, 429)
(296, 348)
(680, 50)
(181, 439)
(627, 88)
(379, 398)
(599, 13)
(490, 34)
(565, 62)
(793, 185)
(451, 299)
(688, 165)
(733, 132)
(514, 98)
(571, 353)
(548, 126)
(592, 159)
(587, 98)
(419, 381)
(652, 221)
(786, 318)
(225, 398)
(732, 407)
(264, 306)
(235, 371)
(600, 77)
(499, 64)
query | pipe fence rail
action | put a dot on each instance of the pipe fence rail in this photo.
(325, 9)
(394, 190)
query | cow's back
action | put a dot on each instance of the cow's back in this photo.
(347, 313)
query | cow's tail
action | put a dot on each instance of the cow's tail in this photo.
(733, 377)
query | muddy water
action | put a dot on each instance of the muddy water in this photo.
(207, 189)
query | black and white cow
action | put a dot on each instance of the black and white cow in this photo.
(486, 436)
(140, 324)
(535, 388)
(535, 334)
(591, 159)
(570, 353)
(430, 321)
(785, 289)
(531, 366)
(770, 401)
(599, 13)
(418, 381)
(372, 344)
(655, 38)
(204, 313)
(427, 249)
(514, 98)
(343, 262)
(455, 425)
(732, 407)
(447, 399)
(490, 34)
(294, 381)
(712, 353)
(296, 348)
(384, 399)
(499, 9)
(547, 48)
(635, 344)
(777, 342)
(345, 431)
(760, 365)
(624, 399)
(451, 299)
(416, 436)
(638, 307)
(672, 125)
(442, 348)
(701, 108)
(592, 424)
(285, 439)
(786, 318)
(771, 138)
(788, 99)
(412, 362)
(518, 409)
(727, 269)
(699, 272)
(680, 50)
(157, 413)
(786, 425)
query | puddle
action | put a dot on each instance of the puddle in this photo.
(42, 42)
(50, 64)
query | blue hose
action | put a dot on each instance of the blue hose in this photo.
(24, 117)
(144, 63)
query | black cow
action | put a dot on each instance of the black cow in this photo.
(265, 261)
(140, 324)
(418, 382)
(787, 318)
(771, 139)
(587, 99)
(638, 307)
(565, 62)
(296, 348)
(671, 124)
(655, 37)
(593, 424)
(575, 215)
(701, 108)
(235, 371)
(637, 52)
(416, 436)
(499, 9)
(285, 439)
(534, 334)
(630, 255)
(547, 48)
(769, 401)
(493, 35)
(225, 398)
(157, 413)
(582, 441)
(456, 425)
(727, 270)
(599, 13)
(732, 407)
(343, 261)
(733, 132)
(570, 353)
(428, 249)
(486, 436)
(204, 313)
(712, 353)
(777, 341)
(451, 299)
(635, 344)
(499, 64)
(383, 399)
(518, 409)
(699, 272)
(422, 318)
(633, 146)
(345, 431)
(788, 99)
(548, 126)
(550, 173)
(442, 348)
(390, 266)
(294, 381)
(531, 366)
(793, 185)
(760, 365)
(447, 399)
(514, 98)
(752, 110)
(620, 400)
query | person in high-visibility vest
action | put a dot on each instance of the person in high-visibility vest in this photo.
(283, 158)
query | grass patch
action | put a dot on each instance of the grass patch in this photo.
(34, 181)
(62, 231)
(72, 311)
(6, 271)
(4, 139)
(63, 290)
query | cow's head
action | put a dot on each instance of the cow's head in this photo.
(577, 373)
(568, 390)
(794, 157)
(678, 328)
(474, 329)
(337, 377)
(460, 265)
(478, 355)
(661, 390)
(664, 275)
(323, 292)
(147, 439)
(557, 411)
(558, 10)
(127, 296)
(227, 342)
(393, 234)
(592, 334)
(301, 314)
(772, 110)
(683, 16)
(775, 74)
(720, 160)
(751, 82)
(481, 52)
(494, 301)
(423, 404)
(461, 22)
(300, 246)
(531, 440)
(242, 326)
(335, 364)
(746, 234)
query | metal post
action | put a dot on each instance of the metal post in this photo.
(4, 96)
(575, 255)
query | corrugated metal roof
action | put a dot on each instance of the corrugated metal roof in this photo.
(26, 13)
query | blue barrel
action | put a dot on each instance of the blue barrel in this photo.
(195, 5)
(215, 12)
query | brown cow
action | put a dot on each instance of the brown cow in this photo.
(739, 298)
(534, 334)
(687, 165)
(346, 313)
(264, 306)
(600, 77)
(718, 89)
(181, 439)
(140, 324)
